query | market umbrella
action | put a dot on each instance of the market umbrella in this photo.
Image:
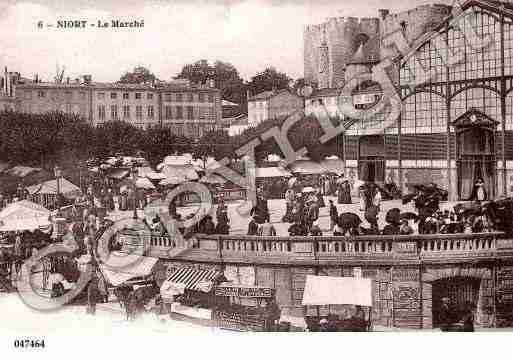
(144, 183)
(393, 216)
(467, 209)
(349, 220)
(408, 198)
(172, 181)
(409, 216)
(213, 179)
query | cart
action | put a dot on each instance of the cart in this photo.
(337, 304)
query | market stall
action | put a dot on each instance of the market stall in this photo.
(273, 180)
(346, 303)
(188, 292)
(46, 193)
(245, 307)
(24, 215)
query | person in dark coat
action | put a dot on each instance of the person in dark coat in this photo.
(209, 226)
(252, 228)
(298, 229)
(223, 228)
(344, 192)
(333, 215)
(92, 295)
(320, 199)
(468, 318)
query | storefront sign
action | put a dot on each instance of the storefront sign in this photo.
(244, 292)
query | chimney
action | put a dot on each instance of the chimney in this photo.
(383, 13)
(88, 79)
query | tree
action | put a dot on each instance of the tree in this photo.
(139, 75)
(216, 144)
(117, 137)
(268, 80)
(298, 85)
(226, 78)
(161, 142)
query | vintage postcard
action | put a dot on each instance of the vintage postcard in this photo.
(238, 166)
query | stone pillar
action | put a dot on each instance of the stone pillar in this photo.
(406, 297)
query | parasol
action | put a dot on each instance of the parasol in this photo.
(467, 209)
(349, 220)
(213, 178)
(173, 180)
(408, 198)
(409, 216)
(393, 216)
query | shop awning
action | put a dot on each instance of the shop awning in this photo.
(325, 290)
(118, 174)
(121, 267)
(266, 172)
(333, 165)
(23, 215)
(66, 188)
(306, 167)
(193, 279)
(144, 183)
(213, 178)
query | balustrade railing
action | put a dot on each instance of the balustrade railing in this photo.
(416, 245)
(325, 247)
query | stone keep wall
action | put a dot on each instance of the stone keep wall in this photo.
(418, 20)
(342, 36)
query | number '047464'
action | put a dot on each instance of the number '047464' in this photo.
(29, 343)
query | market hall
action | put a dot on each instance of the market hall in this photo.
(456, 127)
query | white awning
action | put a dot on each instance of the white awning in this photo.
(121, 267)
(325, 290)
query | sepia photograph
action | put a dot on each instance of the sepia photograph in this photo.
(220, 168)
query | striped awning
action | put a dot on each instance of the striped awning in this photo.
(194, 279)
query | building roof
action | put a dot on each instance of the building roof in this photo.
(358, 57)
(265, 95)
(491, 5)
(116, 86)
(228, 103)
(325, 92)
(241, 120)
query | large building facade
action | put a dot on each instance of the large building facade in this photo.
(272, 104)
(189, 110)
(454, 128)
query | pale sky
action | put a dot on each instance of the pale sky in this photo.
(249, 34)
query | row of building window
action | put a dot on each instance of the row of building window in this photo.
(150, 112)
(171, 112)
(54, 95)
(125, 95)
(189, 112)
(168, 97)
(188, 97)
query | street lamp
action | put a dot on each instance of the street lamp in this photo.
(58, 174)
(134, 177)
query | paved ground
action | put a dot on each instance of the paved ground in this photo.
(239, 224)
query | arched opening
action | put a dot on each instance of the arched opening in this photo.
(451, 297)
(371, 159)
(475, 151)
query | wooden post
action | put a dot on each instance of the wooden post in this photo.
(421, 301)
